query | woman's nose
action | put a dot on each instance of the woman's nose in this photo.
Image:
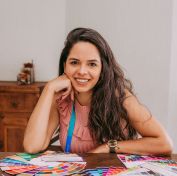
(82, 70)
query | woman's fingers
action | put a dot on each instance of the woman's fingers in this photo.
(62, 86)
(64, 95)
(66, 92)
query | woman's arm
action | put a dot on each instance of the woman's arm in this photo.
(44, 119)
(154, 138)
(42, 123)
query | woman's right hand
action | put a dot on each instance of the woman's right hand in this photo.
(61, 85)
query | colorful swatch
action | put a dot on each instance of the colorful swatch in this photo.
(148, 165)
(64, 168)
(12, 162)
(135, 160)
(115, 170)
(17, 171)
(13, 166)
(102, 171)
(138, 171)
(15, 157)
(28, 156)
(168, 165)
(32, 172)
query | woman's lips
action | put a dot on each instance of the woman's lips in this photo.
(81, 81)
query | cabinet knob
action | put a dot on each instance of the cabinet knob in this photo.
(1, 115)
(14, 104)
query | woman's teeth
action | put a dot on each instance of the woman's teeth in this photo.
(82, 80)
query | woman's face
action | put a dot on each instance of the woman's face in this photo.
(83, 66)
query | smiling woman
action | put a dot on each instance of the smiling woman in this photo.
(94, 105)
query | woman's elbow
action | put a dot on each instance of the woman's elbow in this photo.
(28, 148)
(167, 147)
(33, 147)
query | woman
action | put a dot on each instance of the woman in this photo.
(93, 104)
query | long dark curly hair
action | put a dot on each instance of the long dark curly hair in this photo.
(107, 113)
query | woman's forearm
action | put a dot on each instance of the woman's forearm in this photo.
(36, 130)
(145, 145)
(44, 119)
(142, 146)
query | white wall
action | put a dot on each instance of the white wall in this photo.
(31, 29)
(172, 108)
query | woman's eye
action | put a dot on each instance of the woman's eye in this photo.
(92, 64)
(74, 62)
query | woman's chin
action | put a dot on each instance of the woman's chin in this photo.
(81, 90)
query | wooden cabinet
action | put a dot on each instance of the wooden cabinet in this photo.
(16, 105)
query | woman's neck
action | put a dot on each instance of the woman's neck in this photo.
(84, 99)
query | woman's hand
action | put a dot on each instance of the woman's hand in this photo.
(100, 149)
(62, 85)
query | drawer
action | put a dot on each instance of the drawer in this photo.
(20, 119)
(18, 102)
(15, 121)
(15, 115)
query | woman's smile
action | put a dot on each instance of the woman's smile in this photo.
(82, 81)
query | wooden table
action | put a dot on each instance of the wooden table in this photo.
(93, 160)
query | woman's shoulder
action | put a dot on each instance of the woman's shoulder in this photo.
(129, 98)
(130, 102)
(135, 109)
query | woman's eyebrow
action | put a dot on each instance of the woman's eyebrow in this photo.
(89, 60)
(93, 60)
(72, 58)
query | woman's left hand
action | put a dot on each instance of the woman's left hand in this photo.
(100, 149)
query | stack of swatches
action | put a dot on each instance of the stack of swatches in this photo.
(55, 164)
(102, 171)
(23, 164)
(139, 165)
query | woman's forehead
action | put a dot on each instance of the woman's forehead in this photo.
(84, 50)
